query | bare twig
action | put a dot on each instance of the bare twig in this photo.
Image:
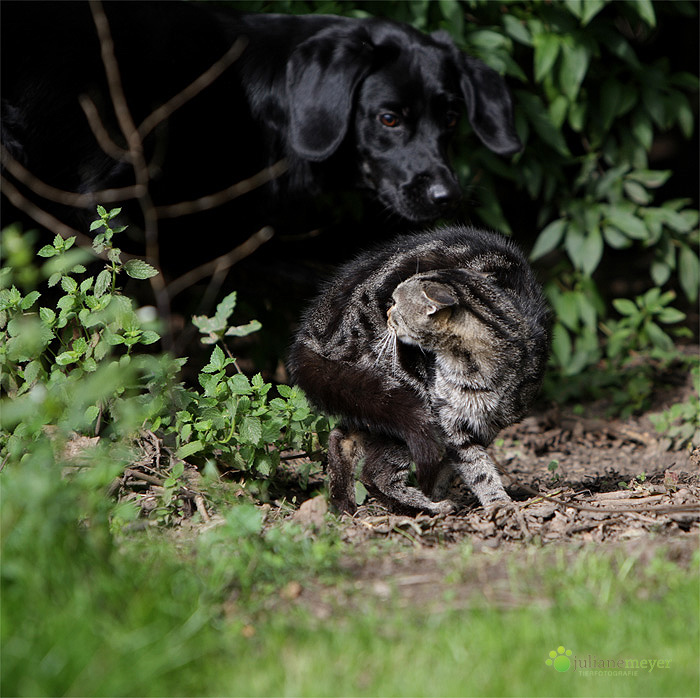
(220, 263)
(61, 196)
(138, 475)
(50, 222)
(193, 89)
(210, 201)
(40, 216)
(136, 157)
(114, 84)
(100, 132)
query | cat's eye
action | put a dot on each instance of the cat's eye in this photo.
(452, 118)
(389, 120)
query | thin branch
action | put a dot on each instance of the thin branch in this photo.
(42, 217)
(193, 89)
(210, 201)
(62, 196)
(138, 475)
(216, 266)
(136, 156)
(46, 220)
(114, 82)
(100, 132)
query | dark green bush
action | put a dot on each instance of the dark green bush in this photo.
(593, 95)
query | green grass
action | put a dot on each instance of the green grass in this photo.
(86, 611)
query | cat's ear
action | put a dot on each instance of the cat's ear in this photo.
(438, 297)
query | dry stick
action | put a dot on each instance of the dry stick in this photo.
(194, 88)
(138, 475)
(46, 220)
(100, 132)
(132, 136)
(40, 216)
(220, 263)
(579, 507)
(61, 196)
(210, 201)
(136, 158)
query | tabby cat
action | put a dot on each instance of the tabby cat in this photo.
(425, 348)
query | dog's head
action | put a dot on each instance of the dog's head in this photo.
(398, 95)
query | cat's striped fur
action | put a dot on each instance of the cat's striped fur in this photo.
(425, 347)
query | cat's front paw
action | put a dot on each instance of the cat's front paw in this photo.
(343, 505)
(443, 507)
(506, 512)
(499, 507)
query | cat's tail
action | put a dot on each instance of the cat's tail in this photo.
(367, 402)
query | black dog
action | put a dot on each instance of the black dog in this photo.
(365, 103)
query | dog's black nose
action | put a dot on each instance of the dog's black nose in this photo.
(442, 195)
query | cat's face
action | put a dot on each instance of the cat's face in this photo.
(443, 314)
(421, 311)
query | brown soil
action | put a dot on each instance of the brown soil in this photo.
(576, 480)
(615, 486)
(612, 482)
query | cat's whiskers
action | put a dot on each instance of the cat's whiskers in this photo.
(394, 352)
(388, 343)
(383, 344)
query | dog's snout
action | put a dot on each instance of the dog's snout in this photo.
(442, 195)
(439, 193)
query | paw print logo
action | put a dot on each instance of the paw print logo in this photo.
(559, 659)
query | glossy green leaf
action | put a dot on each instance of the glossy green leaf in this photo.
(575, 59)
(689, 272)
(645, 10)
(547, 48)
(629, 224)
(549, 238)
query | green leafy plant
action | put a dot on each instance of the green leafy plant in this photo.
(234, 420)
(92, 315)
(636, 482)
(74, 369)
(640, 328)
(555, 475)
(593, 96)
(49, 356)
(680, 423)
(214, 329)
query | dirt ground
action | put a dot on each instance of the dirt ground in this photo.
(576, 479)
(613, 481)
(615, 485)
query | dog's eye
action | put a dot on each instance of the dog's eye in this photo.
(389, 120)
(452, 118)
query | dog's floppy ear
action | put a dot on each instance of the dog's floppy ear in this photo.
(489, 106)
(322, 75)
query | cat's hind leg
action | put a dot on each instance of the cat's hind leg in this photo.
(384, 473)
(479, 473)
(345, 449)
(443, 481)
